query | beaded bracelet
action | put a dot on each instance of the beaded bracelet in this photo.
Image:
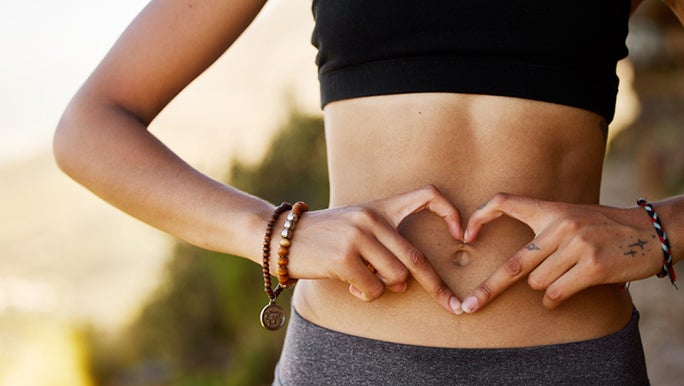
(284, 279)
(668, 269)
(272, 316)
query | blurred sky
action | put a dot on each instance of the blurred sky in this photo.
(48, 48)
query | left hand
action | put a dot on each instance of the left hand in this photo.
(575, 246)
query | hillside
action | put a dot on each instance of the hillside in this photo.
(87, 260)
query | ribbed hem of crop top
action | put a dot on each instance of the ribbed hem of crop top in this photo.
(472, 76)
(558, 52)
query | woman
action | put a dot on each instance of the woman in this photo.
(421, 271)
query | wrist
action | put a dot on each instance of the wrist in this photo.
(244, 236)
(667, 269)
(671, 212)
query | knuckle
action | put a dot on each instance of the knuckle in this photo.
(513, 265)
(400, 275)
(417, 259)
(363, 215)
(593, 260)
(349, 259)
(554, 294)
(430, 190)
(595, 266)
(344, 260)
(374, 291)
(586, 241)
(441, 291)
(355, 234)
(570, 225)
(536, 282)
(341, 258)
(500, 198)
(485, 291)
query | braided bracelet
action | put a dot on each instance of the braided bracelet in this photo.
(272, 316)
(668, 269)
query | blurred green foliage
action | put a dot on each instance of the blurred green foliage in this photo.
(201, 326)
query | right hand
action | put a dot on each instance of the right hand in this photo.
(339, 243)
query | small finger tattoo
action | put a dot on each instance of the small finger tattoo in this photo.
(482, 206)
(532, 247)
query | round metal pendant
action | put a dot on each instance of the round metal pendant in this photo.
(272, 316)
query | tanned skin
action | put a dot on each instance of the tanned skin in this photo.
(448, 202)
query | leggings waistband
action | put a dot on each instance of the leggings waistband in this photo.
(314, 355)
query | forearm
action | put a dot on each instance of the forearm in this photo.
(112, 154)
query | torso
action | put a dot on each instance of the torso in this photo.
(470, 147)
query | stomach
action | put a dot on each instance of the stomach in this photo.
(470, 147)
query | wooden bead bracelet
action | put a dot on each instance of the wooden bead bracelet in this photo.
(284, 279)
(272, 315)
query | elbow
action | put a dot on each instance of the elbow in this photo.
(61, 146)
(63, 143)
(72, 142)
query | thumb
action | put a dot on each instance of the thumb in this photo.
(524, 209)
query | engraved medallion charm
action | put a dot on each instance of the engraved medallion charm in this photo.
(272, 316)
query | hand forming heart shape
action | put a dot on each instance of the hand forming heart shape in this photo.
(575, 246)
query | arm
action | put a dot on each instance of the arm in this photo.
(576, 246)
(103, 143)
(671, 212)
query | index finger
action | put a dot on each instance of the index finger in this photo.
(418, 266)
(513, 269)
(520, 208)
(397, 208)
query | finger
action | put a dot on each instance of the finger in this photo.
(552, 268)
(384, 264)
(589, 270)
(520, 208)
(363, 283)
(372, 264)
(512, 270)
(398, 287)
(418, 266)
(397, 208)
(572, 282)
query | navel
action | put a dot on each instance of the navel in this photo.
(461, 257)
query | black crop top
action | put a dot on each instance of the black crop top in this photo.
(556, 51)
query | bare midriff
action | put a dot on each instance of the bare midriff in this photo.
(470, 147)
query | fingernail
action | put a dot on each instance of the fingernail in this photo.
(465, 236)
(455, 305)
(355, 291)
(401, 287)
(470, 304)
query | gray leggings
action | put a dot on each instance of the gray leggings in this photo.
(313, 355)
